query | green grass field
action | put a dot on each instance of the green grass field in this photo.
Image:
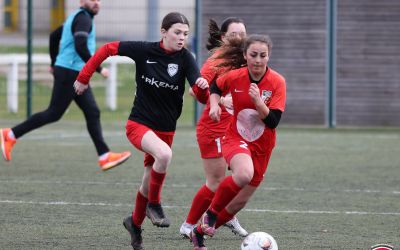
(324, 189)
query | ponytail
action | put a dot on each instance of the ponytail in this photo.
(214, 35)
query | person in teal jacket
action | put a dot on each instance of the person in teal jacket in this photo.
(71, 46)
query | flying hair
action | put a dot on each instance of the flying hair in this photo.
(214, 35)
(232, 52)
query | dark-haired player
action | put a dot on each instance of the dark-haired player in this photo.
(161, 70)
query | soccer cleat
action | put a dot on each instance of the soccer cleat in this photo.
(135, 232)
(113, 160)
(236, 228)
(156, 214)
(6, 143)
(186, 229)
(197, 240)
(207, 223)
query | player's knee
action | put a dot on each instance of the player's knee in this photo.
(53, 115)
(164, 156)
(213, 182)
(244, 177)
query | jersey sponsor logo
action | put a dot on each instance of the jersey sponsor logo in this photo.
(150, 62)
(160, 84)
(172, 69)
(249, 125)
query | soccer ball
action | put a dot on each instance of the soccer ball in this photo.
(259, 241)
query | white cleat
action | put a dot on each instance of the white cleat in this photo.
(186, 229)
(236, 228)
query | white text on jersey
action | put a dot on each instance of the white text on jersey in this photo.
(159, 84)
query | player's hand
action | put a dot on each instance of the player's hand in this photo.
(202, 83)
(80, 87)
(215, 113)
(254, 93)
(105, 72)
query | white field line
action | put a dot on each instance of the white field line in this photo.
(65, 203)
(73, 133)
(367, 191)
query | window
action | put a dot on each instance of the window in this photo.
(11, 15)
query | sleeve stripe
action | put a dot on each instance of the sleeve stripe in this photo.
(81, 33)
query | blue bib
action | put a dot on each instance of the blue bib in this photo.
(67, 56)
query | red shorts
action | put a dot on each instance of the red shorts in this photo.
(135, 132)
(210, 143)
(235, 146)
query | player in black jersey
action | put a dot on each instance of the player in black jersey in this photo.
(161, 70)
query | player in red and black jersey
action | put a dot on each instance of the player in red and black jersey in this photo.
(259, 97)
(209, 133)
(161, 70)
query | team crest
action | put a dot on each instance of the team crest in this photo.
(172, 69)
(265, 95)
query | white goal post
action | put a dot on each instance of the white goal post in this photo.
(13, 61)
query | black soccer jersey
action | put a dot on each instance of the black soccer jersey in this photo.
(160, 83)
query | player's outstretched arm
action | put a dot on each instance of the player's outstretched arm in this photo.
(108, 49)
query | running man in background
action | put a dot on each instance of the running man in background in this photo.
(161, 70)
(259, 97)
(78, 42)
(210, 133)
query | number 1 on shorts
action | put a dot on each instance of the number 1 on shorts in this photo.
(218, 141)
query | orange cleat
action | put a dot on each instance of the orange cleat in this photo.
(114, 159)
(6, 143)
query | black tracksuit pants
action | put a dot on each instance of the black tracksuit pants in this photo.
(63, 94)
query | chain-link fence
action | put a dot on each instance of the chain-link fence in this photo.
(117, 20)
(367, 67)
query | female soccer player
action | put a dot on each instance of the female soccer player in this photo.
(161, 69)
(259, 96)
(210, 133)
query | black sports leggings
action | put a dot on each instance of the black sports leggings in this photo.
(62, 96)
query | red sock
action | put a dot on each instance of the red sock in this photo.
(200, 203)
(155, 185)
(139, 213)
(223, 217)
(226, 191)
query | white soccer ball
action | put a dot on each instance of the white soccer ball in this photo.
(259, 241)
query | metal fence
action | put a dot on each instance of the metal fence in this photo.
(367, 66)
